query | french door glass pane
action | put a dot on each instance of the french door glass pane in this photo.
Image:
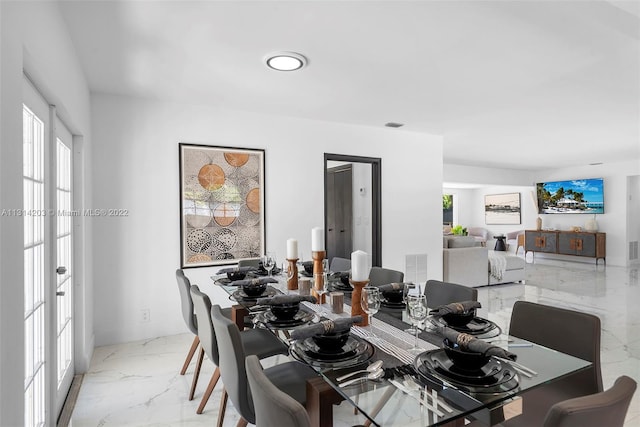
(34, 280)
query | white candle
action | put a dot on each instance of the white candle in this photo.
(359, 266)
(317, 239)
(292, 249)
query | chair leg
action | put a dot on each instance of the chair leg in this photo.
(212, 384)
(223, 407)
(192, 350)
(242, 423)
(196, 374)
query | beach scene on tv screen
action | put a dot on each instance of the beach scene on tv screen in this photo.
(575, 196)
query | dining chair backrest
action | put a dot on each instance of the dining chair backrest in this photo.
(251, 262)
(184, 286)
(339, 264)
(206, 333)
(273, 407)
(379, 276)
(607, 408)
(571, 332)
(440, 293)
(232, 367)
(568, 331)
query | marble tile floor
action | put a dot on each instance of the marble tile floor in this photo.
(137, 384)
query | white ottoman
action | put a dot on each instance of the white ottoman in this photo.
(513, 272)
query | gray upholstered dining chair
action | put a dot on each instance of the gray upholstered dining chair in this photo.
(338, 264)
(251, 262)
(273, 407)
(571, 332)
(184, 286)
(379, 276)
(607, 408)
(260, 342)
(440, 293)
(290, 377)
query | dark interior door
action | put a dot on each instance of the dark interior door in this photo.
(339, 211)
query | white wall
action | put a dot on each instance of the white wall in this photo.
(135, 165)
(34, 37)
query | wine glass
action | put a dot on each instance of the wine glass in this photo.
(409, 289)
(269, 261)
(324, 288)
(370, 300)
(418, 313)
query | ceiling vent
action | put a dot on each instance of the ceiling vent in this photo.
(394, 125)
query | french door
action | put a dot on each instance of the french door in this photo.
(48, 265)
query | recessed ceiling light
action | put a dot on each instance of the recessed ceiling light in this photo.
(286, 61)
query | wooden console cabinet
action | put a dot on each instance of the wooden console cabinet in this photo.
(585, 244)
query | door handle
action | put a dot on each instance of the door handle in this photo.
(61, 270)
(342, 231)
(331, 229)
(60, 293)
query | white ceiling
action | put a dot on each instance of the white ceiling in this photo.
(516, 84)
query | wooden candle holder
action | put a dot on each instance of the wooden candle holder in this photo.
(292, 274)
(356, 301)
(318, 274)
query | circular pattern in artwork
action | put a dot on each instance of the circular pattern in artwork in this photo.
(198, 221)
(198, 240)
(224, 255)
(247, 217)
(193, 259)
(225, 214)
(236, 159)
(248, 239)
(229, 192)
(211, 177)
(251, 168)
(224, 240)
(253, 200)
(194, 191)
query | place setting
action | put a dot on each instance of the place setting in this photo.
(393, 296)
(330, 344)
(233, 275)
(284, 311)
(251, 289)
(461, 317)
(471, 364)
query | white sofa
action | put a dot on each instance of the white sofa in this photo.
(466, 263)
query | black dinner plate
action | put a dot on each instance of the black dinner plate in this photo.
(354, 352)
(305, 274)
(339, 286)
(240, 296)
(271, 321)
(395, 305)
(494, 377)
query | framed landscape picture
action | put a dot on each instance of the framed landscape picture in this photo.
(221, 204)
(502, 208)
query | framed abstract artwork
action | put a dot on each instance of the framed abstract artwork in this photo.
(221, 204)
(502, 208)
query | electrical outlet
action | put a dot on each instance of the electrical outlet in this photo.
(145, 315)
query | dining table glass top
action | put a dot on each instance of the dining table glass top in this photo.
(412, 388)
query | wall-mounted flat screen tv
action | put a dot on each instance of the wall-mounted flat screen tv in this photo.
(578, 196)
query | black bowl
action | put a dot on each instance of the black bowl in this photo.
(254, 290)
(332, 342)
(344, 278)
(459, 319)
(236, 275)
(466, 360)
(393, 295)
(285, 311)
(308, 266)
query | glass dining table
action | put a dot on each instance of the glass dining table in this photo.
(418, 388)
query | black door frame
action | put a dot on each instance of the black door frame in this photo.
(376, 200)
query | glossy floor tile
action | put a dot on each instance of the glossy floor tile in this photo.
(138, 384)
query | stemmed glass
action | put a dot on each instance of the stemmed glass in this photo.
(418, 311)
(370, 300)
(409, 289)
(324, 289)
(269, 261)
